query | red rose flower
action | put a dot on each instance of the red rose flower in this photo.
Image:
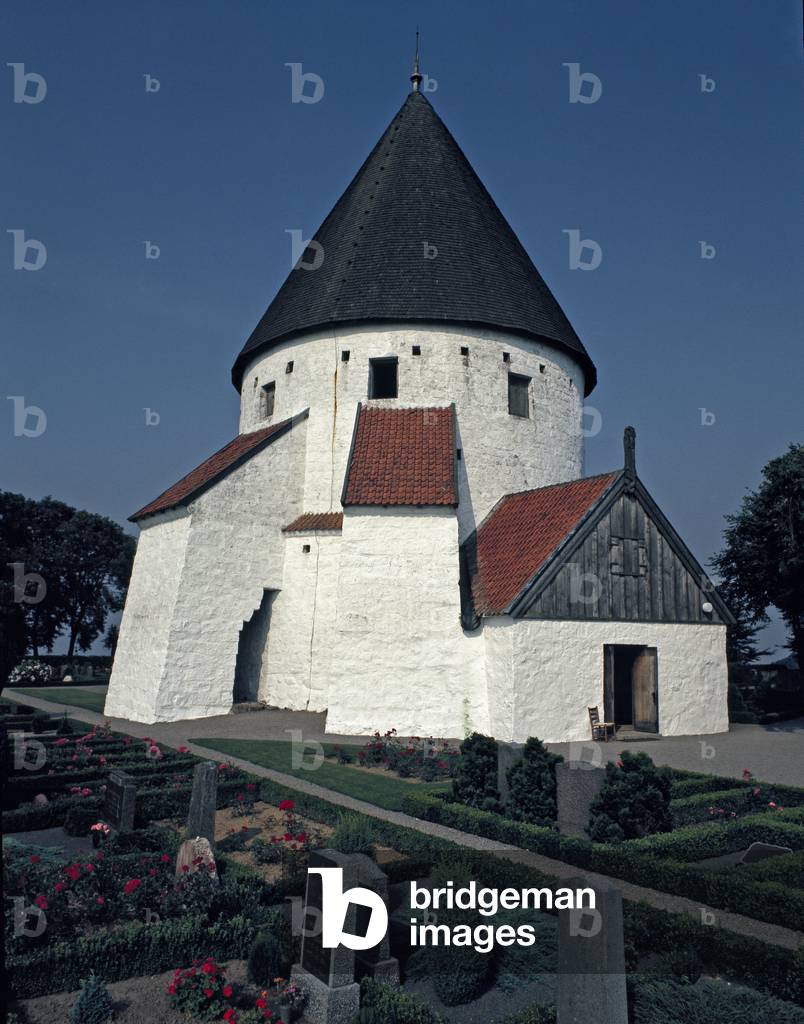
(100, 901)
(131, 886)
(287, 837)
(208, 993)
(165, 858)
(208, 967)
(35, 858)
(261, 1003)
(41, 902)
(185, 868)
(227, 990)
(171, 990)
(59, 886)
(287, 805)
(251, 786)
(73, 871)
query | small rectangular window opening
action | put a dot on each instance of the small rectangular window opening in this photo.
(417, 350)
(541, 367)
(345, 355)
(518, 404)
(464, 350)
(289, 367)
(306, 549)
(383, 378)
(267, 399)
(506, 357)
(458, 454)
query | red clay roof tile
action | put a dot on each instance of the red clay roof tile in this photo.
(232, 454)
(402, 457)
(315, 521)
(521, 532)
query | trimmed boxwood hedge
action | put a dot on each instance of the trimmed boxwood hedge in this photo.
(133, 950)
(765, 901)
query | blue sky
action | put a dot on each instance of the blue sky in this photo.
(218, 164)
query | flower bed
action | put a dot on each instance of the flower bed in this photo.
(418, 757)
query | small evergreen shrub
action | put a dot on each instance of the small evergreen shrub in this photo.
(634, 801)
(545, 1014)
(40, 722)
(64, 727)
(265, 959)
(353, 834)
(94, 1004)
(475, 782)
(459, 973)
(381, 1004)
(30, 672)
(710, 1002)
(265, 853)
(532, 785)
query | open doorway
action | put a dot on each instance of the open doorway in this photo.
(631, 686)
(252, 650)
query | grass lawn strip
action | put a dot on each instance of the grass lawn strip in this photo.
(90, 700)
(386, 791)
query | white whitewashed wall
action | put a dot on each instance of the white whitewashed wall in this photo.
(501, 453)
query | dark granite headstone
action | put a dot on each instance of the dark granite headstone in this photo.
(203, 802)
(327, 976)
(591, 960)
(761, 851)
(577, 785)
(507, 756)
(120, 801)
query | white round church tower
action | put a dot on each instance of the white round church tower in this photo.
(412, 374)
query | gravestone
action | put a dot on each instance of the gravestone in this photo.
(377, 962)
(591, 960)
(192, 851)
(327, 976)
(120, 801)
(577, 785)
(507, 756)
(761, 851)
(203, 802)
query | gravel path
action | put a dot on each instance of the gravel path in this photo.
(244, 726)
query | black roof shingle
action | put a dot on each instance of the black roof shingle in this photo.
(417, 188)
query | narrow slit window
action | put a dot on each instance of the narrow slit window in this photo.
(289, 367)
(267, 399)
(383, 378)
(417, 350)
(345, 355)
(518, 403)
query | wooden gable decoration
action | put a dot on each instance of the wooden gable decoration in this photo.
(624, 562)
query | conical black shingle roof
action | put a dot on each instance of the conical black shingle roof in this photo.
(417, 186)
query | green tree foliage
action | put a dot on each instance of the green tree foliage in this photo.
(475, 782)
(532, 785)
(633, 802)
(74, 567)
(762, 563)
(94, 1004)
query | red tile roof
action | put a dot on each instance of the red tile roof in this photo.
(203, 476)
(315, 521)
(402, 457)
(521, 532)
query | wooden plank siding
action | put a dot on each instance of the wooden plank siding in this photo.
(645, 580)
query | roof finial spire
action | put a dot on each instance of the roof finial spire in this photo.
(416, 77)
(629, 445)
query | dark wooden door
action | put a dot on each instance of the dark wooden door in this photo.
(608, 682)
(645, 691)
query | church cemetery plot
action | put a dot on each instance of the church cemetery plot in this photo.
(137, 904)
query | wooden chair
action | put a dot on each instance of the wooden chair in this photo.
(600, 730)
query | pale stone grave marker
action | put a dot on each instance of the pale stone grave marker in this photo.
(761, 851)
(591, 960)
(507, 756)
(577, 785)
(203, 802)
(120, 801)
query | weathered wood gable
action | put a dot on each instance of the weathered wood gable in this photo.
(625, 562)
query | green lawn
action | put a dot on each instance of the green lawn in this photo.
(90, 700)
(384, 790)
